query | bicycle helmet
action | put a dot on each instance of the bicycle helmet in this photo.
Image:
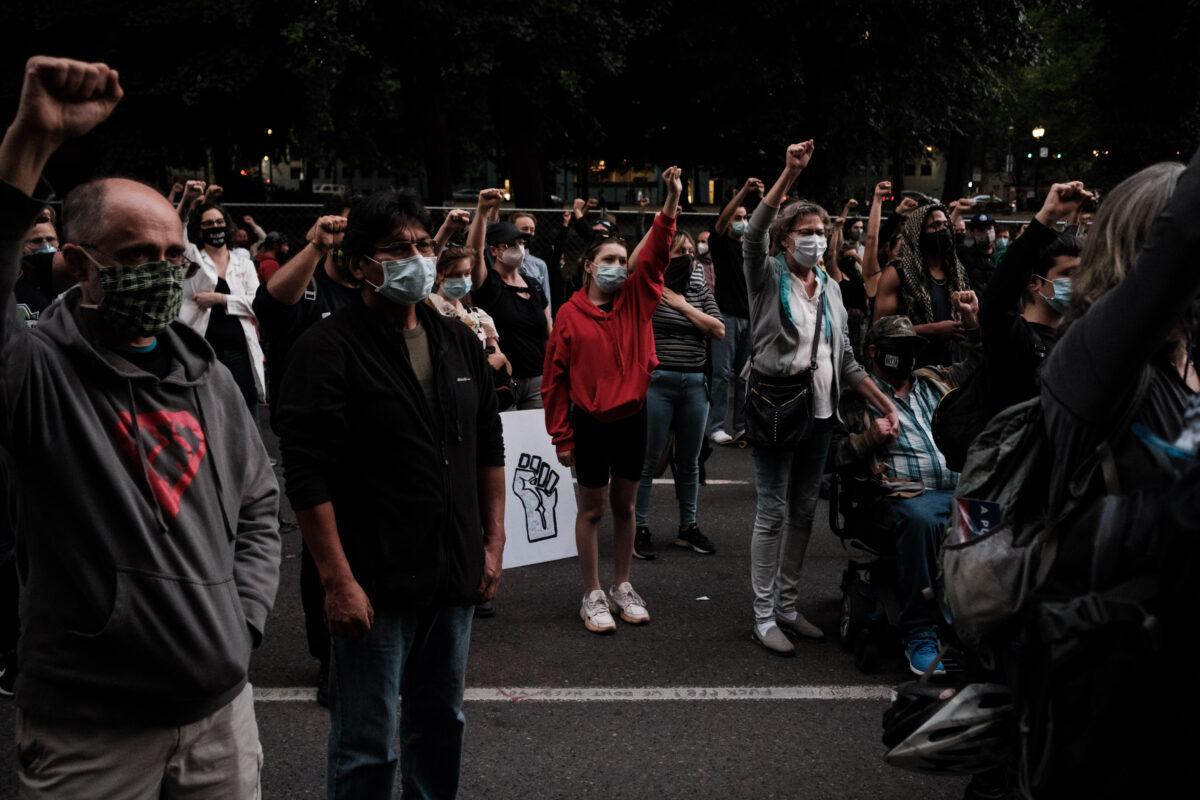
(949, 731)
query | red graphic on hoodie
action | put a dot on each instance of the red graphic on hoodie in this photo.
(174, 445)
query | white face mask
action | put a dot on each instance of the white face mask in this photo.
(702, 248)
(514, 255)
(807, 250)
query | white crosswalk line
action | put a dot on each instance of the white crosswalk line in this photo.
(620, 694)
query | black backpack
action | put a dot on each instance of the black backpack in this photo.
(960, 416)
(1108, 644)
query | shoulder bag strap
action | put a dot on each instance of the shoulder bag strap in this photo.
(812, 362)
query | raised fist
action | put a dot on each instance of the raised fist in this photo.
(883, 189)
(249, 220)
(1062, 200)
(674, 181)
(491, 198)
(326, 232)
(798, 155)
(193, 189)
(753, 185)
(458, 218)
(62, 99)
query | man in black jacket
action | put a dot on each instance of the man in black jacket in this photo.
(394, 462)
(1023, 305)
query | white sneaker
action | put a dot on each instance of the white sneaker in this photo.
(595, 614)
(720, 437)
(632, 606)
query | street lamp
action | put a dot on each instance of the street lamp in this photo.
(1038, 133)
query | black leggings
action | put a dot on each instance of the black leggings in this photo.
(238, 363)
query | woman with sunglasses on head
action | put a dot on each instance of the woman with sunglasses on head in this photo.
(800, 358)
(595, 379)
(218, 300)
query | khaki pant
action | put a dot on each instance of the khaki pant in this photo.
(216, 757)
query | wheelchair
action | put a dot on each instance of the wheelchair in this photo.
(868, 624)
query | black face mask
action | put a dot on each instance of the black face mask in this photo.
(937, 243)
(213, 237)
(895, 365)
(678, 274)
(39, 265)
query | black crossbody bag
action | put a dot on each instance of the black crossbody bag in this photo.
(779, 408)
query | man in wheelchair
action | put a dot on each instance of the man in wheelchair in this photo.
(903, 471)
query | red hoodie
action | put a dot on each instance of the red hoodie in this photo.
(601, 360)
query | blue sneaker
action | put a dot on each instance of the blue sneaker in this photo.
(923, 651)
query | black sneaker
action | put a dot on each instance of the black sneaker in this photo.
(323, 685)
(642, 546)
(692, 538)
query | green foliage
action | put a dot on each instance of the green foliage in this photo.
(432, 87)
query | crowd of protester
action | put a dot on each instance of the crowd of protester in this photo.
(149, 330)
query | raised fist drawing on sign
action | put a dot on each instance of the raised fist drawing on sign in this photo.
(536, 483)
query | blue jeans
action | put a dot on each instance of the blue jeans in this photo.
(419, 657)
(787, 483)
(729, 356)
(677, 401)
(920, 527)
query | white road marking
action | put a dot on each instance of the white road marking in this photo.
(618, 694)
(709, 482)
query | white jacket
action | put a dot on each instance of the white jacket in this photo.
(242, 278)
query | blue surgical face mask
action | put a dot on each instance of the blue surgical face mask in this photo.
(456, 288)
(406, 280)
(1062, 294)
(738, 227)
(610, 277)
(46, 247)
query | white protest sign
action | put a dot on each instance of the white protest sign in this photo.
(539, 503)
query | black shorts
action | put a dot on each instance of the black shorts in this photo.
(601, 448)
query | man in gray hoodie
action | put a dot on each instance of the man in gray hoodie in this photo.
(149, 562)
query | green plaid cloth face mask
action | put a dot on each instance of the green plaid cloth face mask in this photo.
(141, 300)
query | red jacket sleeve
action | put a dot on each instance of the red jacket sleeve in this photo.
(556, 386)
(647, 280)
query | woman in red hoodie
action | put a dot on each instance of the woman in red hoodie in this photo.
(594, 383)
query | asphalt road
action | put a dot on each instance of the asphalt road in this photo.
(699, 637)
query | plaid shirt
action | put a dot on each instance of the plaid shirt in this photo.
(913, 455)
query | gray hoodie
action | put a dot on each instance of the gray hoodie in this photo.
(773, 338)
(148, 539)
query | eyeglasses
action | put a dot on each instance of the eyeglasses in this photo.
(212, 223)
(180, 262)
(406, 247)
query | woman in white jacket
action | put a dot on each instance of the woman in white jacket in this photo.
(218, 298)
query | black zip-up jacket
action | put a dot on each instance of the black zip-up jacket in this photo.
(1013, 348)
(355, 429)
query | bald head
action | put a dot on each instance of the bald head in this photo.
(92, 210)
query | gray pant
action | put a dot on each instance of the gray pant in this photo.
(788, 483)
(528, 393)
(218, 756)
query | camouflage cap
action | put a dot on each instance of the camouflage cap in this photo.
(893, 328)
